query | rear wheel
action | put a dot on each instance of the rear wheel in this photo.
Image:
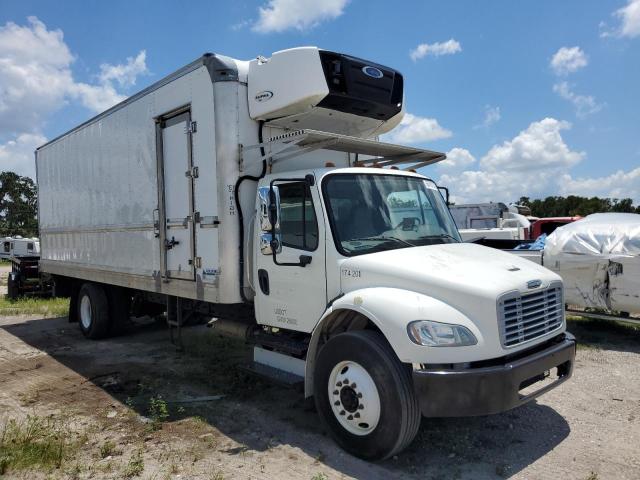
(365, 395)
(93, 311)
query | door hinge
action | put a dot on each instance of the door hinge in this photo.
(196, 217)
(191, 127)
(197, 262)
(193, 172)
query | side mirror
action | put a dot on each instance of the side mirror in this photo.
(270, 245)
(269, 213)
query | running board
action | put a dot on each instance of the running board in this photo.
(277, 367)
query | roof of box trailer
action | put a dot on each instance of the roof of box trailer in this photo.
(219, 66)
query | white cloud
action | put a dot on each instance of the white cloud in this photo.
(457, 158)
(568, 60)
(34, 74)
(629, 17)
(491, 116)
(415, 129)
(96, 97)
(437, 49)
(125, 74)
(528, 164)
(585, 104)
(539, 147)
(281, 15)
(17, 155)
(36, 80)
(620, 184)
(473, 186)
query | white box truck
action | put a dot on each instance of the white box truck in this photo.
(256, 192)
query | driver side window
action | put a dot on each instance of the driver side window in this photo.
(298, 224)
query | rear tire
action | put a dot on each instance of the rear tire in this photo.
(93, 311)
(380, 392)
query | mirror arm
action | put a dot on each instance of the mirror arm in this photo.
(446, 191)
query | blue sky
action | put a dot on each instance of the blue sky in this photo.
(528, 98)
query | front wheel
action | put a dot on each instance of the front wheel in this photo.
(365, 395)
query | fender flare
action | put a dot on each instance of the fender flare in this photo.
(370, 303)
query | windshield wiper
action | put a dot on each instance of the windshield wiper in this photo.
(441, 235)
(381, 239)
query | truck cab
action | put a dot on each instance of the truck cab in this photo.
(370, 260)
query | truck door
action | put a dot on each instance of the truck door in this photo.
(177, 205)
(293, 297)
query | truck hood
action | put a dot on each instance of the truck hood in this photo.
(466, 276)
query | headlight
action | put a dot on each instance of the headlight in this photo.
(436, 334)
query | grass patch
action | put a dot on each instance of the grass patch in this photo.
(35, 442)
(108, 449)
(592, 333)
(158, 412)
(135, 467)
(47, 307)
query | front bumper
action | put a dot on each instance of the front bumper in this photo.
(496, 388)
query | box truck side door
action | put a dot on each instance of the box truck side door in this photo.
(177, 203)
(293, 297)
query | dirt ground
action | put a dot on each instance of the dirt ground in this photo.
(225, 424)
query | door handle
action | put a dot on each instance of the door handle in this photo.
(169, 244)
(305, 260)
(263, 280)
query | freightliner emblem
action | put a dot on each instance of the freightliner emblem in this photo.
(534, 283)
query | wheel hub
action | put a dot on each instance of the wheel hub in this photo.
(85, 312)
(354, 398)
(349, 399)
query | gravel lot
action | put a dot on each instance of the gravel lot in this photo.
(589, 428)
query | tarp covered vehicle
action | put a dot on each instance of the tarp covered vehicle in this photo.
(598, 258)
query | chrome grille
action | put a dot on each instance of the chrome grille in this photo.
(526, 316)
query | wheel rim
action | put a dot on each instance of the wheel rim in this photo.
(354, 398)
(85, 312)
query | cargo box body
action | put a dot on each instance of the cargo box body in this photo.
(107, 187)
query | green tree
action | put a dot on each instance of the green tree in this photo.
(18, 205)
(573, 205)
(624, 205)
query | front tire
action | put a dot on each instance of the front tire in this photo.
(93, 311)
(365, 395)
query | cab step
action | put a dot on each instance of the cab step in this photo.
(278, 342)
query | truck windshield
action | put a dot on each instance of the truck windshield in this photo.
(370, 213)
